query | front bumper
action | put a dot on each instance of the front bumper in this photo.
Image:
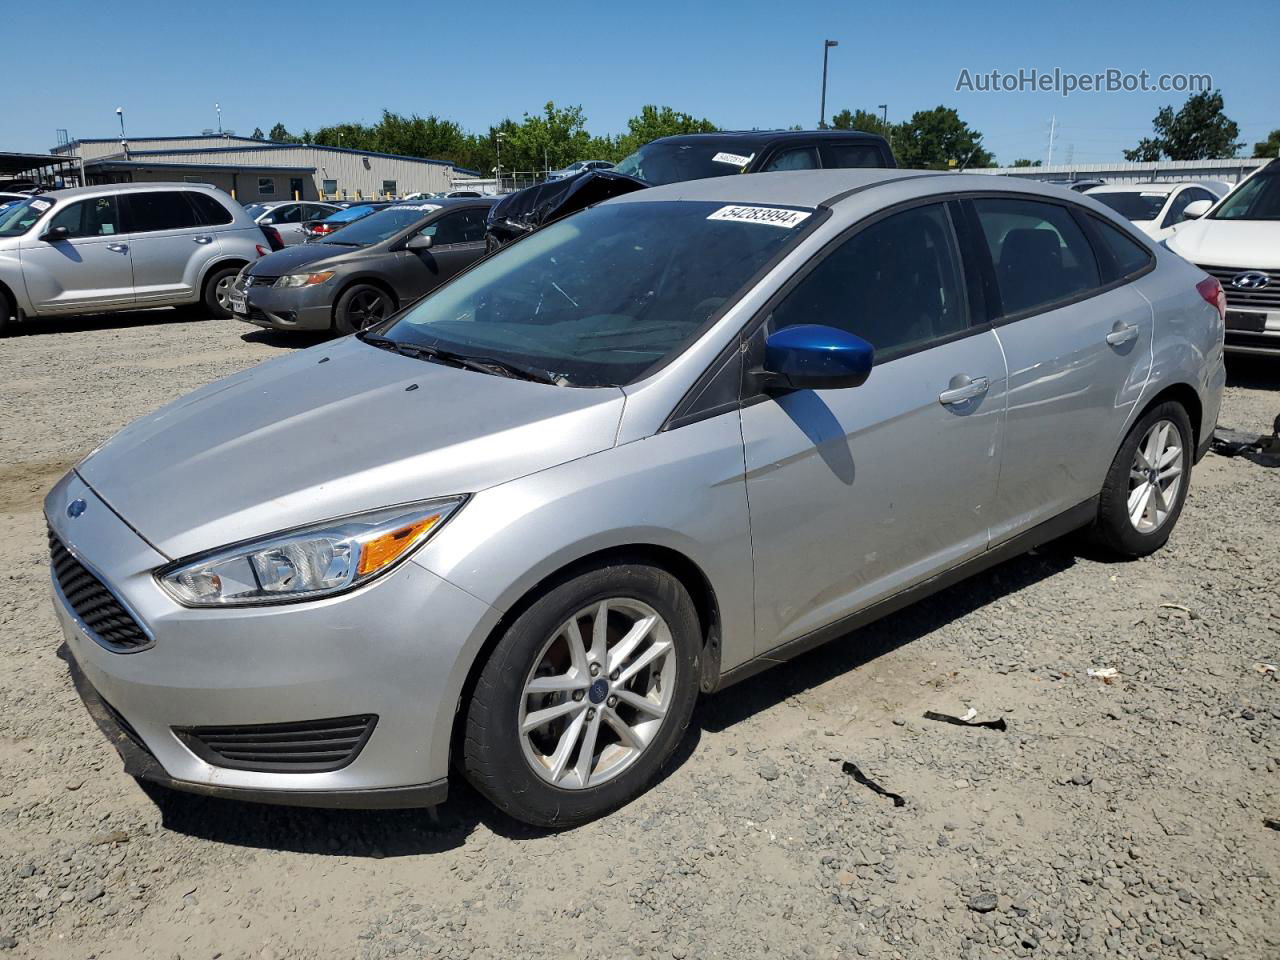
(295, 308)
(393, 649)
(1264, 341)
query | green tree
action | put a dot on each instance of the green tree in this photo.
(279, 134)
(653, 122)
(1200, 130)
(860, 120)
(1269, 147)
(554, 138)
(937, 139)
(1024, 162)
(258, 134)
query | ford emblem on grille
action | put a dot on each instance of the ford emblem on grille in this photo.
(1251, 280)
(75, 508)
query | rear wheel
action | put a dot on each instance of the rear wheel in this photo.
(585, 697)
(7, 317)
(1146, 486)
(361, 306)
(217, 292)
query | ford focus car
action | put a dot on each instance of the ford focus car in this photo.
(512, 533)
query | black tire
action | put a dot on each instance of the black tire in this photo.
(492, 753)
(7, 319)
(209, 297)
(361, 305)
(1113, 528)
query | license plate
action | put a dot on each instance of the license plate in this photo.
(1253, 322)
(238, 304)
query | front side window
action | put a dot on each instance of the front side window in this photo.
(602, 297)
(289, 213)
(796, 158)
(1174, 213)
(266, 187)
(1136, 205)
(20, 216)
(851, 155)
(1041, 256)
(895, 284)
(1258, 198)
(462, 226)
(98, 217)
(158, 210)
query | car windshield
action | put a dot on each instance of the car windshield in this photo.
(602, 297)
(1133, 204)
(378, 226)
(1258, 198)
(19, 217)
(673, 162)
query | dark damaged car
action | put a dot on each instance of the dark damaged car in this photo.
(363, 273)
(693, 156)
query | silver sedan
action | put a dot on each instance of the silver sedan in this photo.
(515, 530)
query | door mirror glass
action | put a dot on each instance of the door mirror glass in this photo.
(418, 242)
(814, 357)
(1196, 209)
(54, 234)
(267, 221)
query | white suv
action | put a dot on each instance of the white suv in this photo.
(122, 247)
(1238, 241)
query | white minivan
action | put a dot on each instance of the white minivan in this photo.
(1237, 240)
(123, 246)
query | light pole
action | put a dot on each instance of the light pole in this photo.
(124, 144)
(218, 107)
(884, 123)
(822, 109)
(500, 137)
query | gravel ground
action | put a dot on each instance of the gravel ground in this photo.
(1122, 818)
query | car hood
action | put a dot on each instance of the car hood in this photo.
(335, 430)
(290, 259)
(1229, 243)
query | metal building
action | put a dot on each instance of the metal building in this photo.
(252, 169)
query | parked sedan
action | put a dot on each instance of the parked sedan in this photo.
(287, 217)
(364, 272)
(1156, 208)
(513, 532)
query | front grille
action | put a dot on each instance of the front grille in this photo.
(1263, 298)
(308, 746)
(1262, 341)
(96, 606)
(256, 281)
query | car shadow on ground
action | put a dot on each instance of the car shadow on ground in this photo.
(286, 340)
(393, 833)
(1252, 372)
(156, 316)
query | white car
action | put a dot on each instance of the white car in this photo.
(1237, 240)
(1156, 208)
(580, 166)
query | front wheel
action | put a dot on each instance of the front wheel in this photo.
(361, 306)
(585, 697)
(1147, 483)
(217, 292)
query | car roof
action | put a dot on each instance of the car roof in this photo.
(763, 137)
(97, 190)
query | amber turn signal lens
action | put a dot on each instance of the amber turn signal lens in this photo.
(380, 551)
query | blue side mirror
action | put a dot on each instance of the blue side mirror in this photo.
(810, 356)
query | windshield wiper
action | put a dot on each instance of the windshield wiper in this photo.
(490, 365)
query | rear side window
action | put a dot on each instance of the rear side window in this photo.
(1127, 256)
(1040, 254)
(846, 155)
(795, 158)
(896, 284)
(159, 210)
(98, 217)
(209, 212)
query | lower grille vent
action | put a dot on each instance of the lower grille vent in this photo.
(308, 746)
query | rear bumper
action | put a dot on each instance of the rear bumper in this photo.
(140, 763)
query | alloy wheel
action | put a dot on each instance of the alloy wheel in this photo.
(598, 693)
(366, 308)
(1155, 477)
(222, 291)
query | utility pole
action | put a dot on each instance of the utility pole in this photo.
(822, 109)
(218, 107)
(124, 144)
(1053, 129)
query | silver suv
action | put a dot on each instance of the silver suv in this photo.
(122, 247)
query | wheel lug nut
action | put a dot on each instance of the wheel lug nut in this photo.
(614, 676)
(578, 694)
(591, 713)
(595, 669)
(612, 701)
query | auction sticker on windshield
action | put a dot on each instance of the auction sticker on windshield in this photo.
(734, 158)
(772, 216)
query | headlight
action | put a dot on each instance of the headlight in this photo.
(304, 279)
(308, 562)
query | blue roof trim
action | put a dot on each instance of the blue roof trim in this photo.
(117, 161)
(258, 146)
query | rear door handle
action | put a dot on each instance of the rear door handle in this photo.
(118, 247)
(203, 239)
(964, 389)
(1122, 333)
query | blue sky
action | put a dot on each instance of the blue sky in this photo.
(742, 64)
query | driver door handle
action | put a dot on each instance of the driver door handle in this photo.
(966, 390)
(203, 239)
(118, 247)
(1122, 333)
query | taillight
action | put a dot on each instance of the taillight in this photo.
(262, 251)
(1211, 289)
